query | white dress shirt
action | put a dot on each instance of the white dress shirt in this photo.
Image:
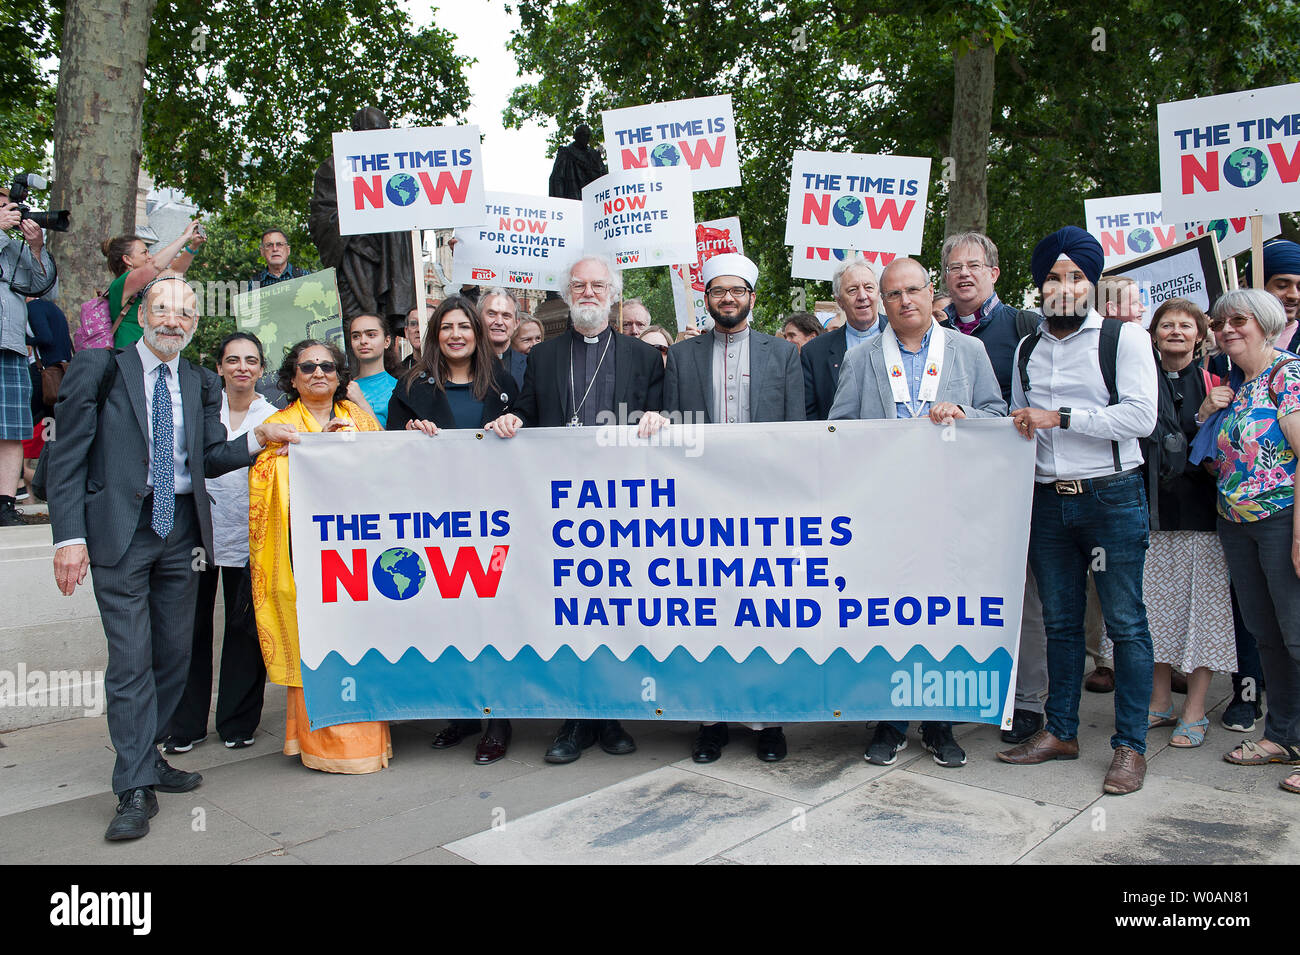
(1066, 373)
(180, 454)
(230, 491)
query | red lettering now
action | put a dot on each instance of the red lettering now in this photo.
(446, 185)
(484, 580)
(372, 192)
(355, 579)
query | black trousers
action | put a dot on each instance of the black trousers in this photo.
(243, 674)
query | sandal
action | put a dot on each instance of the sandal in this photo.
(1290, 786)
(1194, 731)
(1253, 755)
(1156, 719)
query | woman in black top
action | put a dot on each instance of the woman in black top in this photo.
(456, 382)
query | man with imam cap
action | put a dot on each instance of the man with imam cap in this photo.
(734, 375)
(1085, 391)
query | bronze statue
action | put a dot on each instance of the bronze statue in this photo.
(376, 273)
(576, 165)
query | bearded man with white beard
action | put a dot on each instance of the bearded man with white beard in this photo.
(590, 375)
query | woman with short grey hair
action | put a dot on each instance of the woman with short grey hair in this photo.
(1259, 524)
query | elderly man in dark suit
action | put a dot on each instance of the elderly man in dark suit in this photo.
(916, 369)
(592, 375)
(734, 375)
(857, 291)
(137, 431)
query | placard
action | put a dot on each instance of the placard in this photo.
(528, 242)
(641, 217)
(821, 264)
(1191, 269)
(857, 201)
(1129, 226)
(698, 134)
(711, 238)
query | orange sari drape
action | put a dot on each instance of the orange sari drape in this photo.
(351, 747)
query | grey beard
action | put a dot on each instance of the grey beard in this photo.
(589, 320)
(166, 343)
(725, 321)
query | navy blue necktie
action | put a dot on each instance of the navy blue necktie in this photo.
(164, 458)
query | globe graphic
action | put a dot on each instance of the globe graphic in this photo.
(401, 189)
(1245, 166)
(840, 253)
(847, 210)
(398, 573)
(665, 154)
(1219, 227)
(1141, 240)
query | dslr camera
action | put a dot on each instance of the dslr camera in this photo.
(23, 183)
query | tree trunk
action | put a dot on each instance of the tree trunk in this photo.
(97, 124)
(972, 115)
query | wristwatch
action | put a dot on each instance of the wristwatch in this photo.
(1065, 418)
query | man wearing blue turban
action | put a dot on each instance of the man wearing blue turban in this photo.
(1282, 280)
(1089, 505)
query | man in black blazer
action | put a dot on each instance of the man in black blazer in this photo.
(136, 433)
(591, 375)
(857, 291)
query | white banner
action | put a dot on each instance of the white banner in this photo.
(857, 201)
(699, 134)
(1129, 226)
(711, 238)
(1237, 154)
(641, 217)
(821, 264)
(1233, 235)
(528, 242)
(623, 580)
(391, 180)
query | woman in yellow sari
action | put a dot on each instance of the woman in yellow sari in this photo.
(314, 375)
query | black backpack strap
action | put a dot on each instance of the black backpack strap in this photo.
(1108, 358)
(106, 382)
(1026, 349)
(1026, 322)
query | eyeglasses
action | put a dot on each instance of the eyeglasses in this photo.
(956, 268)
(600, 288)
(738, 292)
(309, 367)
(1237, 321)
(894, 294)
(275, 245)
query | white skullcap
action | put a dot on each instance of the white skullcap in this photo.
(730, 263)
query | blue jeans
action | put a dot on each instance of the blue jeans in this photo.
(1105, 528)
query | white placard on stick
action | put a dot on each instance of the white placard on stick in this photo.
(528, 242)
(699, 134)
(1233, 234)
(811, 263)
(1237, 154)
(1129, 226)
(711, 238)
(392, 180)
(857, 201)
(641, 217)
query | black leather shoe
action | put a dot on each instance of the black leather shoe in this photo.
(709, 743)
(771, 744)
(493, 745)
(574, 736)
(615, 740)
(454, 732)
(1024, 724)
(172, 780)
(134, 810)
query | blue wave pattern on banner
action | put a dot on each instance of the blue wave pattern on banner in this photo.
(956, 689)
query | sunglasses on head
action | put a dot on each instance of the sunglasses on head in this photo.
(309, 367)
(663, 349)
(1237, 321)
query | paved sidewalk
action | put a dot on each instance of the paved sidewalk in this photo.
(823, 804)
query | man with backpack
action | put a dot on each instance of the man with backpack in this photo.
(1085, 391)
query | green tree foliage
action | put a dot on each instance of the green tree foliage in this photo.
(30, 32)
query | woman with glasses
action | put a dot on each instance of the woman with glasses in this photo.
(315, 379)
(240, 364)
(456, 383)
(1259, 524)
(657, 337)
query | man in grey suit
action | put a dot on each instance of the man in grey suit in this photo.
(914, 369)
(734, 375)
(136, 433)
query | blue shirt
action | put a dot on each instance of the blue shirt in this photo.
(854, 337)
(914, 370)
(378, 389)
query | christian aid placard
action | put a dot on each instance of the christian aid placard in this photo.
(1237, 154)
(713, 237)
(698, 134)
(811, 263)
(857, 201)
(641, 217)
(528, 242)
(619, 581)
(390, 180)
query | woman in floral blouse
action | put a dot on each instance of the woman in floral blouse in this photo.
(1259, 524)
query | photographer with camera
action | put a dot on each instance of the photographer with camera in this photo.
(26, 269)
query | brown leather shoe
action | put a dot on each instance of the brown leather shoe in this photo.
(1039, 748)
(1100, 680)
(1128, 768)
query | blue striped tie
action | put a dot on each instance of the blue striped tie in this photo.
(164, 460)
